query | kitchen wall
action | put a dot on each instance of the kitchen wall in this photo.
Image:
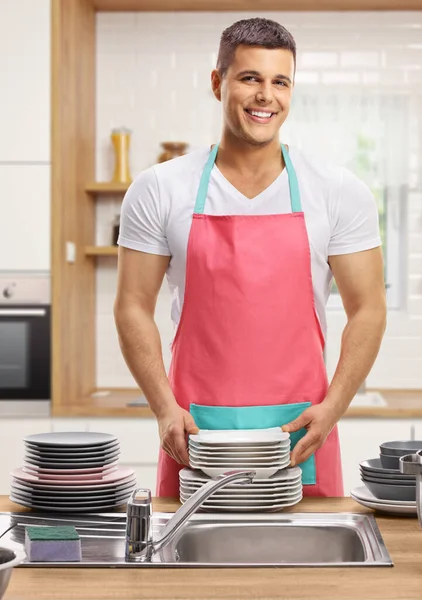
(153, 77)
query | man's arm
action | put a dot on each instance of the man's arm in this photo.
(360, 281)
(140, 276)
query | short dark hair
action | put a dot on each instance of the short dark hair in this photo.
(253, 32)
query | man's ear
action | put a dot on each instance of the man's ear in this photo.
(216, 81)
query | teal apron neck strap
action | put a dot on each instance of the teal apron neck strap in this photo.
(206, 174)
(293, 182)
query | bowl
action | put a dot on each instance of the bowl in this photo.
(401, 493)
(390, 462)
(404, 481)
(8, 560)
(400, 448)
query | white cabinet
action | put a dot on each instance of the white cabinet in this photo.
(25, 80)
(25, 217)
(12, 446)
(360, 440)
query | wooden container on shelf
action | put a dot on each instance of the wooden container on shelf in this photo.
(172, 150)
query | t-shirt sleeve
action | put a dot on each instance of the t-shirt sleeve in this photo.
(355, 220)
(141, 219)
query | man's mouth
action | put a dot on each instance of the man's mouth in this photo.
(260, 116)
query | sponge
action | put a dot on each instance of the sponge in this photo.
(52, 544)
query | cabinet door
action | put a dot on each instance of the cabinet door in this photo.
(360, 440)
(25, 217)
(13, 449)
(25, 77)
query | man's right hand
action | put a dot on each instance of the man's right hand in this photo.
(174, 425)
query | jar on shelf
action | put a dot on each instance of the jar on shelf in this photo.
(172, 150)
(120, 139)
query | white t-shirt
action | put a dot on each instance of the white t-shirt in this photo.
(340, 213)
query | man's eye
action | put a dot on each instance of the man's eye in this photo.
(249, 78)
(281, 83)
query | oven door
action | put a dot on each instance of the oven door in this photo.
(25, 352)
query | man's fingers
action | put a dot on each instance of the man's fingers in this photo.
(304, 448)
(301, 421)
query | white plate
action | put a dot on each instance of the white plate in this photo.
(392, 509)
(70, 465)
(248, 495)
(237, 456)
(240, 448)
(363, 493)
(240, 436)
(260, 502)
(108, 499)
(288, 485)
(261, 472)
(259, 508)
(70, 492)
(247, 463)
(92, 508)
(187, 474)
(70, 438)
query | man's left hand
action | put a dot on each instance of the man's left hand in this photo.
(319, 421)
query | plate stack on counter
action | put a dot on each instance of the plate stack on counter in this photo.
(267, 451)
(386, 489)
(72, 472)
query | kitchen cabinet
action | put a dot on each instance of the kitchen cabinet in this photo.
(360, 440)
(25, 75)
(25, 217)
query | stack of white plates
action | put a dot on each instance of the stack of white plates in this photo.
(262, 495)
(72, 471)
(264, 450)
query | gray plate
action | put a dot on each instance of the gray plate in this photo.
(401, 448)
(392, 492)
(72, 459)
(71, 452)
(70, 438)
(375, 479)
(82, 501)
(70, 465)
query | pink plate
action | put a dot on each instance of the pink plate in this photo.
(41, 471)
(64, 476)
(119, 475)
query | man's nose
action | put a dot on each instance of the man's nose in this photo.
(264, 94)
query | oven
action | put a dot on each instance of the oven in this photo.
(25, 345)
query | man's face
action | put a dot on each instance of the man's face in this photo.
(256, 92)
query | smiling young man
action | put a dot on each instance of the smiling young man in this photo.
(250, 233)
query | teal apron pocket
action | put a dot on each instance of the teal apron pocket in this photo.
(256, 417)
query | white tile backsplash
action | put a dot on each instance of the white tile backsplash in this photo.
(153, 76)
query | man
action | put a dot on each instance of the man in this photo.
(250, 234)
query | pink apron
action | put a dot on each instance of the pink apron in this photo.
(248, 351)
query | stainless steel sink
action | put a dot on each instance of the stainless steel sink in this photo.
(221, 540)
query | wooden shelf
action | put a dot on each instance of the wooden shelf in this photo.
(106, 188)
(101, 250)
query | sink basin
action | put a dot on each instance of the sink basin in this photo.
(221, 540)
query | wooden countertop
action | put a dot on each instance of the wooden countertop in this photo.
(403, 404)
(401, 535)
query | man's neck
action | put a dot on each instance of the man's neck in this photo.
(237, 155)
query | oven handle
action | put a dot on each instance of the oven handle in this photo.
(22, 312)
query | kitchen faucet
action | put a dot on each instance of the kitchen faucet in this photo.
(140, 546)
